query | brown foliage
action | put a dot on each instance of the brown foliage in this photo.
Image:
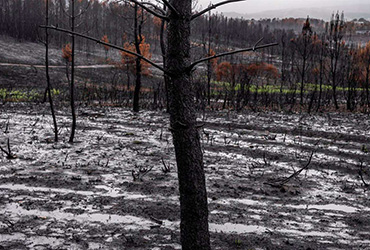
(130, 60)
(213, 61)
(224, 71)
(67, 52)
(106, 40)
(263, 69)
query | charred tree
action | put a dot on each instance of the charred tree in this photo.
(138, 40)
(189, 157)
(48, 87)
(72, 82)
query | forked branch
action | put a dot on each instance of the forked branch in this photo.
(231, 53)
(360, 172)
(155, 7)
(106, 44)
(142, 5)
(170, 7)
(8, 153)
(213, 6)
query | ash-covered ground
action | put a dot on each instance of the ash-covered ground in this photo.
(83, 196)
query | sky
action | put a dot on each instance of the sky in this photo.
(253, 6)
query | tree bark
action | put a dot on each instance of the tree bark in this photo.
(189, 156)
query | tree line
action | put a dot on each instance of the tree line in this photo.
(317, 64)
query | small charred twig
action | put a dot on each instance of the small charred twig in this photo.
(9, 154)
(166, 168)
(140, 173)
(361, 176)
(158, 221)
(6, 127)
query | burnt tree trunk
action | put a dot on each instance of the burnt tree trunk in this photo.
(163, 51)
(72, 86)
(138, 41)
(189, 157)
(48, 87)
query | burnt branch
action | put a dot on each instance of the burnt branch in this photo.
(84, 10)
(138, 175)
(170, 7)
(254, 48)
(155, 7)
(8, 153)
(143, 5)
(106, 44)
(360, 172)
(295, 174)
(213, 6)
(166, 168)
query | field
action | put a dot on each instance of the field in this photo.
(83, 195)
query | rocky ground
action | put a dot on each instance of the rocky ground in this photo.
(83, 195)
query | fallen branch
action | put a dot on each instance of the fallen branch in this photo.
(295, 174)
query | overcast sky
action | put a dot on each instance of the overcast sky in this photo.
(252, 6)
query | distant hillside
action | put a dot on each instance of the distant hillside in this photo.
(350, 12)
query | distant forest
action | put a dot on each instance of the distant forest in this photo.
(317, 64)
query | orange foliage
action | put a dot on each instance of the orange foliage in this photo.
(263, 69)
(224, 71)
(316, 71)
(67, 52)
(213, 61)
(157, 21)
(130, 60)
(106, 40)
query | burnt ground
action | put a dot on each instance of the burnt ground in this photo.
(83, 196)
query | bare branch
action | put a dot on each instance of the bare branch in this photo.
(256, 44)
(254, 48)
(213, 6)
(84, 10)
(63, 9)
(148, 9)
(9, 154)
(170, 7)
(155, 7)
(106, 44)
